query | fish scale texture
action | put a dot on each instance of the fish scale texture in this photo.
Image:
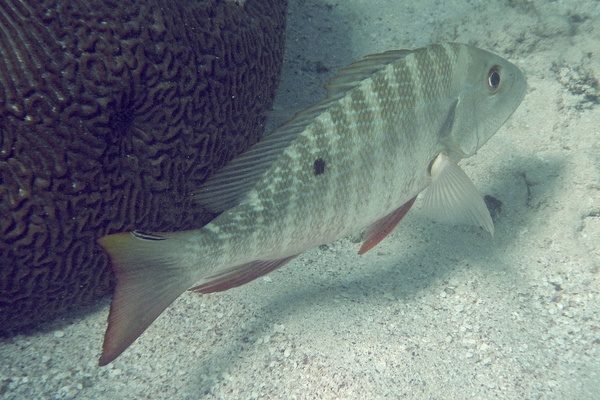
(111, 112)
(374, 141)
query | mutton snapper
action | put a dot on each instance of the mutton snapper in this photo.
(392, 125)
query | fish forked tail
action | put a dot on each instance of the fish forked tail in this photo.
(150, 275)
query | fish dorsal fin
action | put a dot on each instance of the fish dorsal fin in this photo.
(452, 196)
(350, 77)
(227, 187)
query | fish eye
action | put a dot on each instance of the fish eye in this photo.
(494, 78)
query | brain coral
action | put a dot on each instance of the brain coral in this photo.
(111, 113)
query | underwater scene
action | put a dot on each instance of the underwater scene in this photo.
(303, 199)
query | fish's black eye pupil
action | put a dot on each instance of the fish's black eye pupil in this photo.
(319, 166)
(494, 79)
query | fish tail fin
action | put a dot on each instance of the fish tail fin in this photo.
(150, 274)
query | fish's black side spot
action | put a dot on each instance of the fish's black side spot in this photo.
(319, 166)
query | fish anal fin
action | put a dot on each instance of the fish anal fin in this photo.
(380, 229)
(239, 275)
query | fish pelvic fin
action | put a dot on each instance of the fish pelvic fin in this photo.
(383, 227)
(150, 275)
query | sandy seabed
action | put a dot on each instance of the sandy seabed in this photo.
(433, 312)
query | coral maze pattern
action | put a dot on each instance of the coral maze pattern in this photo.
(111, 113)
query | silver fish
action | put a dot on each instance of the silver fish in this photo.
(392, 125)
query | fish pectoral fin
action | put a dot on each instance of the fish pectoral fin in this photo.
(380, 229)
(149, 277)
(452, 197)
(239, 275)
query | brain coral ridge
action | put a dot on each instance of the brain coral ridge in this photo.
(111, 113)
